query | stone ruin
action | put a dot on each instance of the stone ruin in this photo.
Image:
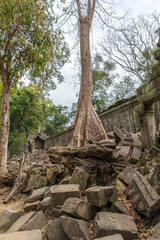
(102, 191)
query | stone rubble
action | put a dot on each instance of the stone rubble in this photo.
(70, 188)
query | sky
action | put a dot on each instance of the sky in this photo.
(65, 94)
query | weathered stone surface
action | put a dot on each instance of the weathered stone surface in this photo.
(7, 218)
(79, 176)
(35, 206)
(119, 207)
(46, 203)
(128, 174)
(99, 195)
(60, 193)
(118, 135)
(156, 234)
(65, 180)
(77, 207)
(123, 151)
(37, 195)
(136, 140)
(37, 222)
(154, 176)
(26, 235)
(51, 177)
(75, 229)
(106, 224)
(136, 152)
(120, 185)
(145, 199)
(35, 181)
(55, 231)
(112, 237)
(21, 222)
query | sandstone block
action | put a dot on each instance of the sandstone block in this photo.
(37, 222)
(34, 182)
(75, 229)
(80, 176)
(156, 234)
(60, 193)
(106, 224)
(55, 231)
(99, 195)
(26, 235)
(145, 199)
(128, 174)
(111, 237)
(118, 135)
(37, 195)
(78, 208)
(7, 218)
(21, 222)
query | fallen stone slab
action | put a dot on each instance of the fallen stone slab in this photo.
(34, 182)
(119, 207)
(128, 174)
(109, 143)
(46, 203)
(156, 234)
(37, 195)
(106, 224)
(37, 222)
(136, 152)
(26, 235)
(79, 176)
(154, 151)
(75, 229)
(118, 135)
(112, 237)
(123, 151)
(144, 198)
(7, 218)
(60, 193)
(55, 231)
(21, 222)
(100, 196)
(136, 140)
(78, 208)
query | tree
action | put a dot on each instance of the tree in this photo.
(56, 118)
(123, 89)
(133, 44)
(87, 124)
(26, 113)
(103, 78)
(26, 29)
(42, 75)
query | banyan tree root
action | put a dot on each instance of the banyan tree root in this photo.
(17, 183)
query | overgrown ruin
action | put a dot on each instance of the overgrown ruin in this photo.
(108, 189)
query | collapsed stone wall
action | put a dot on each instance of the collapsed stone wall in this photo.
(122, 114)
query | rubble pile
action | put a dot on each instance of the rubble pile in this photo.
(78, 193)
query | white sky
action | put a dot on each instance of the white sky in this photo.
(65, 92)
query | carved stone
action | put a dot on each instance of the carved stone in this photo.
(145, 199)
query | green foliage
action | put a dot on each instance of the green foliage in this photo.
(26, 31)
(26, 114)
(123, 89)
(0, 100)
(56, 118)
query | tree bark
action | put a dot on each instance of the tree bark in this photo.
(40, 101)
(4, 125)
(88, 126)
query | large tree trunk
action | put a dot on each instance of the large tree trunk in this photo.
(40, 101)
(87, 124)
(4, 125)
